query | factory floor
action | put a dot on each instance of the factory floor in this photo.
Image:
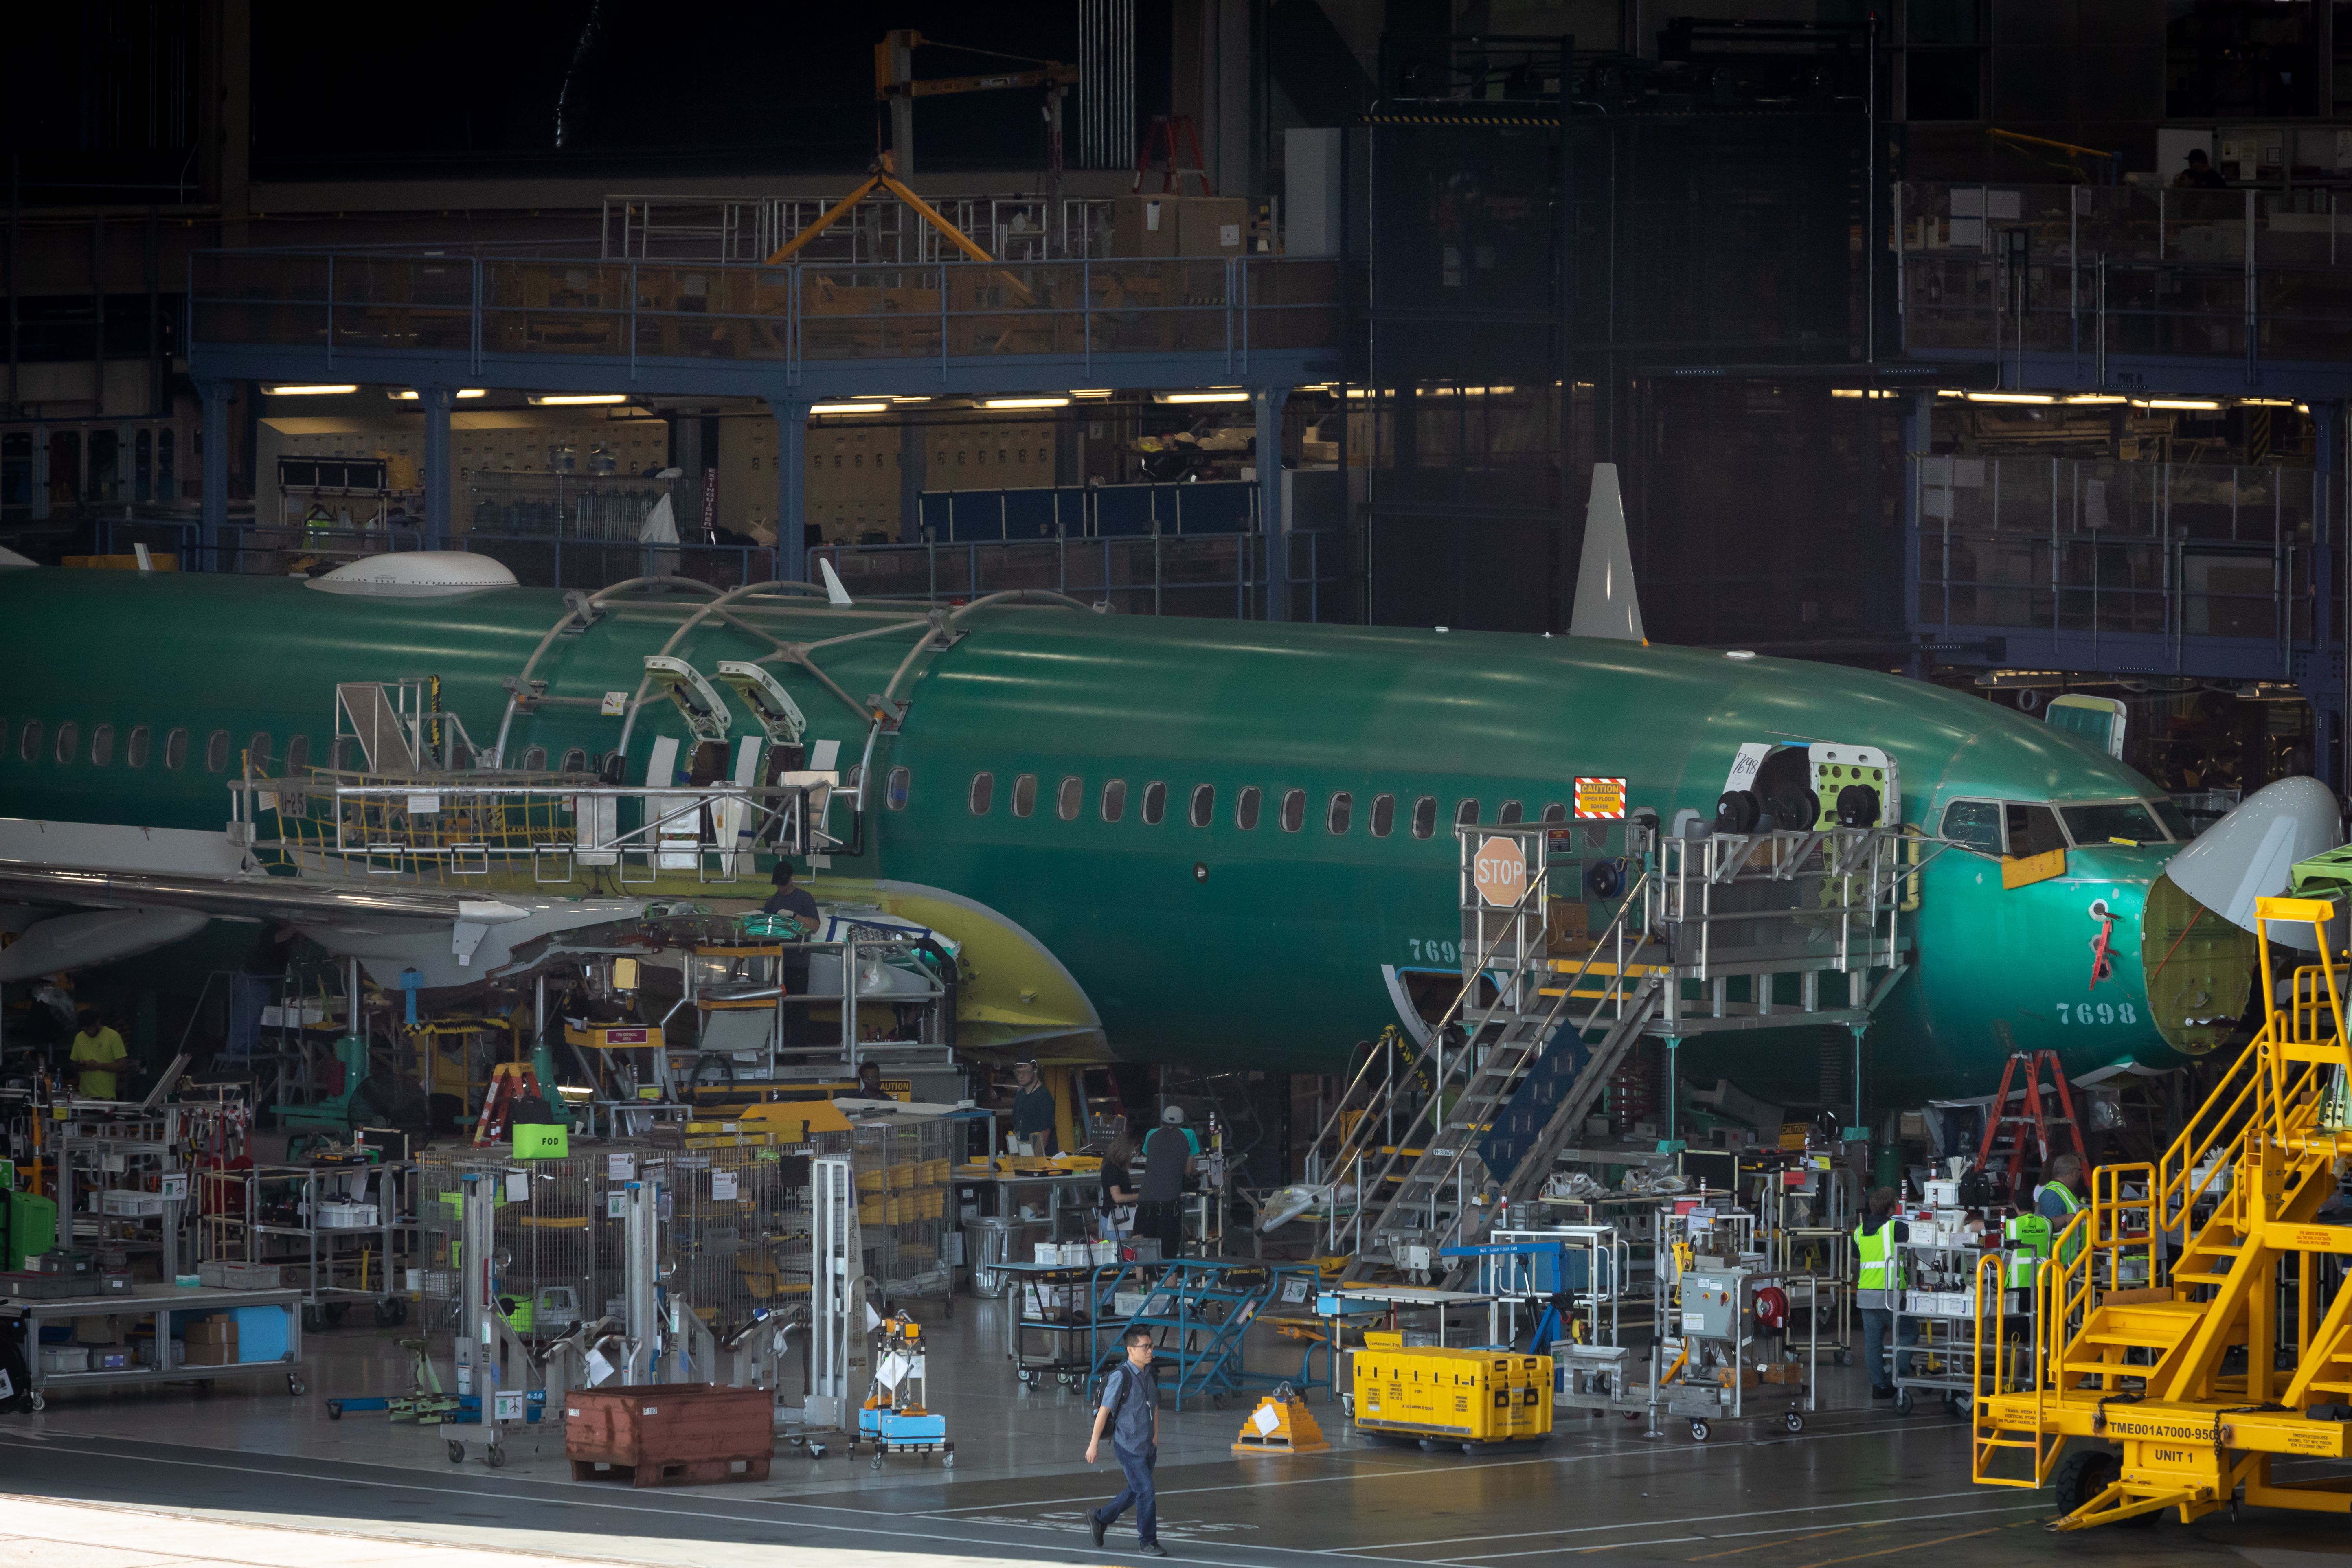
(181, 1475)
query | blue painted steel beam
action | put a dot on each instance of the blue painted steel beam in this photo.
(773, 380)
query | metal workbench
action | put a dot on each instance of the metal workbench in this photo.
(156, 1304)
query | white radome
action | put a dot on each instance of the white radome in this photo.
(415, 574)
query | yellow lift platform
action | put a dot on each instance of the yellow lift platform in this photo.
(2162, 1375)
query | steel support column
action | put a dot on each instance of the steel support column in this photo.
(1273, 520)
(791, 488)
(215, 395)
(438, 401)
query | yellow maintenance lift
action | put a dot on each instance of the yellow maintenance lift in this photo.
(2181, 1341)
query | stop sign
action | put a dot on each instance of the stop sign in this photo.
(1501, 871)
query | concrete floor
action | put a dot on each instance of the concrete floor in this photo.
(1856, 1485)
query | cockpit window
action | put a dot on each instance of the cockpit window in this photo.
(2110, 820)
(2032, 829)
(1975, 823)
(2175, 822)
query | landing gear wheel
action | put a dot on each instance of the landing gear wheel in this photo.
(1794, 1421)
(294, 1386)
(1699, 1430)
(497, 1456)
(334, 1410)
(456, 1453)
(1901, 1402)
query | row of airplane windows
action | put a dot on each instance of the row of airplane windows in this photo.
(1249, 805)
(34, 741)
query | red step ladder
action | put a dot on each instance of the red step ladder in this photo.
(2033, 1117)
(509, 1081)
(1168, 133)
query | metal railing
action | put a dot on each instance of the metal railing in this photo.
(339, 302)
(2179, 548)
(1016, 229)
(1159, 575)
(2095, 272)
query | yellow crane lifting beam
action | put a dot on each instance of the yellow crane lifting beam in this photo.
(883, 178)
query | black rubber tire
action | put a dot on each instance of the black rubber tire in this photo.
(1699, 1431)
(1903, 1403)
(1794, 1421)
(497, 1456)
(456, 1453)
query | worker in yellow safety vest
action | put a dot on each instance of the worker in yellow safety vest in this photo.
(2060, 1199)
(1878, 1289)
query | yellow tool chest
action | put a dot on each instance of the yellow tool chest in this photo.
(1469, 1396)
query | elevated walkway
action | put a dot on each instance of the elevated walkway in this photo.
(2185, 1316)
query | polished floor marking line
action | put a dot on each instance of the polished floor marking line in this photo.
(1637, 1525)
(1094, 1499)
(1760, 1545)
(965, 1543)
(1907, 1546)
(1742, 1534)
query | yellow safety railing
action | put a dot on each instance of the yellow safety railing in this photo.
(1997, 1371)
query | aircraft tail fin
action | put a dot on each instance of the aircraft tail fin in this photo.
(1607, 604)
(834, 593)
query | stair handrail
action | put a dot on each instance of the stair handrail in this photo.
(2065, 1284)
(2220, 1121)
(2109, 1203)
(1376, 1180)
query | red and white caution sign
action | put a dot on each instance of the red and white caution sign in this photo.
(1501, 871)
(1601, 799)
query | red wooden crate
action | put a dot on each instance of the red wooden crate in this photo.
(669, 1433)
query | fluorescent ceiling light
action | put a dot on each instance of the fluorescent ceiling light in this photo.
(1024, 403)
(2198, 402)
(1235, 396)
(849, 408)
(572, 399)
(2098, 397)
(310, 391)
(2267, 402)
(2011, 397)
(1861, 392)
(410, 394)
(1092, 392)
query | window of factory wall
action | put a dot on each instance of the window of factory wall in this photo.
(894, 789)
(135, 754)
(983, 791)
(2241, 57)
(1155, 802)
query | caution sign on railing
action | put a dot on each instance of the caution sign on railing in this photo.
(1601, 799)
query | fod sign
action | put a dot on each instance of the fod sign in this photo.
(1501, 871)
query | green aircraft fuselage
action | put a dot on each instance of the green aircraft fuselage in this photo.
(1216, 945)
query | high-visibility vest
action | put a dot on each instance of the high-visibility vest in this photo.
(2068, 1253)
(1876, 1267)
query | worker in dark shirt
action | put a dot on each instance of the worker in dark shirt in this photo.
(1167, 1160)
(1035, 1115)
(791, 898)
(2200, 174)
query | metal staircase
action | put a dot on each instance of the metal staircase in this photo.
(2179, 1368)
(1425, 1187)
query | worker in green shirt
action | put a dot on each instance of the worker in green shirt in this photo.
(101, 1056)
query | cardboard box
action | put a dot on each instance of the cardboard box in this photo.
(1144, 225)
(221, 1330)
(208, 1355)
(1213, 225)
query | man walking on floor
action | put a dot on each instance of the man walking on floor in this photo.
(1131, 1412)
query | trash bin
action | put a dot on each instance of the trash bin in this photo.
(990, 1238)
